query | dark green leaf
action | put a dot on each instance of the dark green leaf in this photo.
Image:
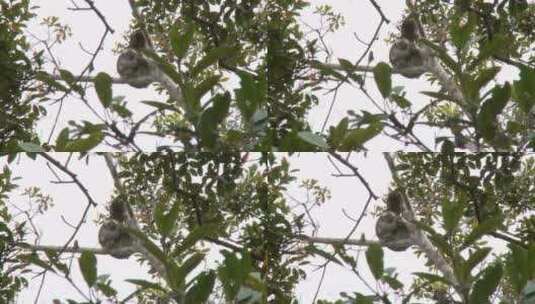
(346, 64)
(443, 55)
(328, 256)
(211, 118)
(486, 119)
(524, 90)
(383, 78)
(452, 212)
(62, 140)
(392, 282)
(30, 147)
(145, 285)
(338, 133)
(356, 138)
(103, 88)
(160, 105)
(213, 56)
(485, 76)
(181, 41)
(196, 235)
(314, 139)
(202, 289)
(475, 258)
(85, 144)
(431, 278)
(486, 285)
(488, 226)
(374, 256)
(88, 267)
(401, 101)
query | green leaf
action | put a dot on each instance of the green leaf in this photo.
(494, 47)
(145, 285)
(327, 70)
(356, 138)
(452, 212)
(486, 285)
(85, 144)
(485, 76)
(338, 133)
(461, 31)
(205, 86)
(392, 282)
(189, 265)
(524, 90)
(475, 258)
(165, 66)
(374, 256)
(103, 88)
(443, 55)
(346, 64)
(431, 278)
(88, 267)
(328, 256)
(180, 42)
(62, 140)
(313, 139)
(212, 57)
(486, 119)
(46, 78)
(437, 95)
(486, 227)
(197, 234)
(160, 105)
(167, 222)
(67, 76)
(30, 147)
(202, 289)
(382, 73)
(251, 94)
(401, 101)
(211, 118)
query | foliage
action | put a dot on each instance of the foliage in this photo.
(18, 113)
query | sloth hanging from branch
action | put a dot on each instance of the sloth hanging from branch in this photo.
(112, 236)
(406, 56)
(390, 227)
(139, 71)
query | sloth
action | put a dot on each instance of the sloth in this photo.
(116, 240)
(112, 236)
(405, 54)
(392, 232)
(132, 66)
(408, 58)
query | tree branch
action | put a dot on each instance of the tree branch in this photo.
(62, 249)
(336, 241)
